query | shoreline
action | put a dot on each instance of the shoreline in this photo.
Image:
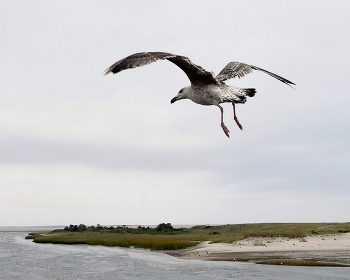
(332, 248)
(313, 244)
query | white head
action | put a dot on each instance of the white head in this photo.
(185, 93)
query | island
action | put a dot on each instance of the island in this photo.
(264, 243)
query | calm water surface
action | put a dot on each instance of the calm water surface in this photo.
(23, 259)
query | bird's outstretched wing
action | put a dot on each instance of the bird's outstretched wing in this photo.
(238, 69)
(195, 73)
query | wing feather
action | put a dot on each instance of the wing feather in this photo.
(136, 60)
(195, 73)
(238, 69)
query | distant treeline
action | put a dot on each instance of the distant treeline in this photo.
(163, 228)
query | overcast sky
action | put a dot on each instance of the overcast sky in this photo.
(77, 147)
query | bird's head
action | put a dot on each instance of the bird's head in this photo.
(184, 93)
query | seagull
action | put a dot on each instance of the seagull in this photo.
(205, 88)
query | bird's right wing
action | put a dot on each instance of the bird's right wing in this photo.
(137, 60)
(238, 69)
(195, 73)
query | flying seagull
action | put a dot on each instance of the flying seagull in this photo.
(205, 88)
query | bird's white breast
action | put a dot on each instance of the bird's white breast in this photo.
(206, 94)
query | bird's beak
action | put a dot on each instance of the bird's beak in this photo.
(174, 99)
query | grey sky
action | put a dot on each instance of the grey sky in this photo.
(77, 147)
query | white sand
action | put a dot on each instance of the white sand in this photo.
(313, 243)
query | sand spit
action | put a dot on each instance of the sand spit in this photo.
(258, 248)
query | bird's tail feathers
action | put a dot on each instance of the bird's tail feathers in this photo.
(249, 91)
(237, 95)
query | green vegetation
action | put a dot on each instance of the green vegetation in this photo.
(163, 228)
(147, 241)
(165, 237)
(296, 262)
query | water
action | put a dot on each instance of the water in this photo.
(23, 259)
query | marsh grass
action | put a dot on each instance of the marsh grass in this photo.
(146, 241)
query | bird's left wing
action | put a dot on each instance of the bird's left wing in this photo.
(238, 69)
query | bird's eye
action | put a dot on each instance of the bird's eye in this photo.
(181, 91)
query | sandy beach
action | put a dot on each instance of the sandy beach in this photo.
(257, 248)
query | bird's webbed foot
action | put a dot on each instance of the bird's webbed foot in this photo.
(238, 123)
(225, 129)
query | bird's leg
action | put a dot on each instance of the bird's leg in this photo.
(225, 129)
(235, 117)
